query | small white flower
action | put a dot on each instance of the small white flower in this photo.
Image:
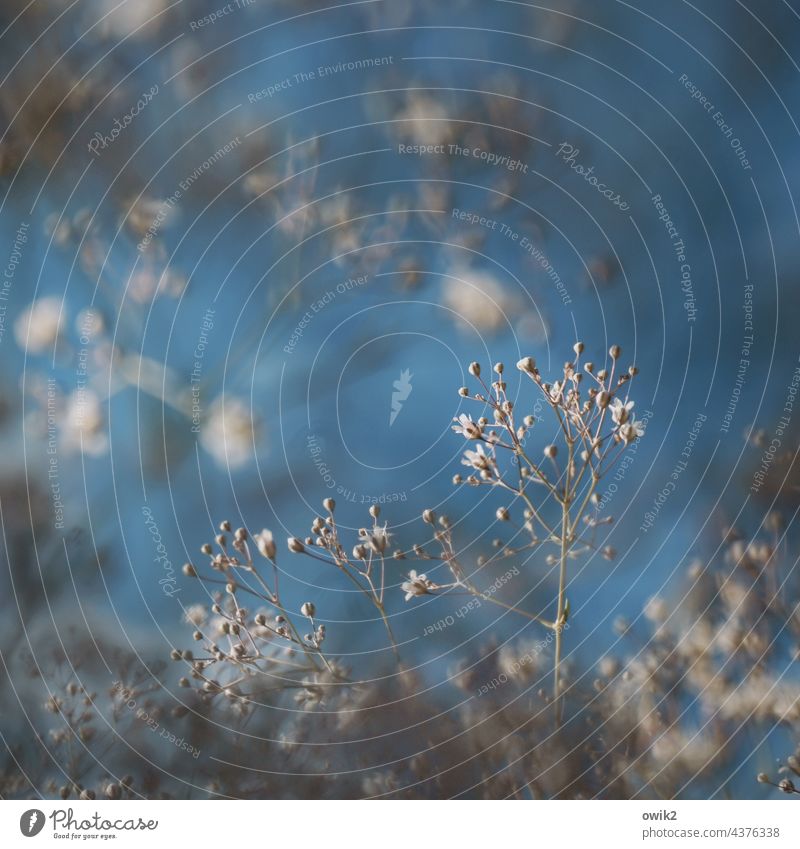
(217, 625)
(196, 614)
(416, 585)
(478, 459)
(310, 697)
(265, 543)
(620, 411)
(424, 121)
(478, 301)
(631, 431)
(378, 539)
(38, 326)
(229, 431)
(467, 427)
(84, 427)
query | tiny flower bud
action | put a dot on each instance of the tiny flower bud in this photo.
(550, 451)
(206, 549)
(189, 570)
(475, 369)
(763, 778)
(225, 526)
(498, 367)
(295, 545)
(502, 514)
(266, 544)
(308, 609)
(464, 392)
(527, 364)
(329, 504)
(374, 511)
(578, 347)
(614, 351)
(428, 516)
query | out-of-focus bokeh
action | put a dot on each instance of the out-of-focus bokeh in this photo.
(249, 251)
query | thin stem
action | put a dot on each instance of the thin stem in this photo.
(388, 627)
(532, 616)
(562, 582)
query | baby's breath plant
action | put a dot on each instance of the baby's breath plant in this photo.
(364, 567)
(785, 785)
(257, 651)
(594, 423)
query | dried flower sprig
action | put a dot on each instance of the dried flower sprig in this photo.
(420, 584)
(263, 650)
(595, 426)
(364, 566)
(786, 785)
